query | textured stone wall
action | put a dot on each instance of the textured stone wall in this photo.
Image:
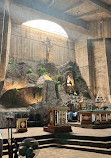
(3, 120)
(49, 93)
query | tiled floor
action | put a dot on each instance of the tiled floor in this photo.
(76, 131)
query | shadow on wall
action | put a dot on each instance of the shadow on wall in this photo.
(1, 85)
(39, 118)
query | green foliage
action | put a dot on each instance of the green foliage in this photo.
(69, 67)
(79, 79)
(39, 98)
(41, 71)
(12, 65)
(14, 99)
(57, 91)
(16, 90)
(40, 86)
(39, 89)
(79, 76)
(11, 62)
(59, 83)
(59, 78)
(29, 71)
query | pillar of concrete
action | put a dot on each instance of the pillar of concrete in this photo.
(5, 32)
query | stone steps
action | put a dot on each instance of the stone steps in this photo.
(86, 148)
(84, 143)
(69, 141)
(43, 140)
(95, 144)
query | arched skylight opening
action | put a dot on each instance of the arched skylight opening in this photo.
(47, 26)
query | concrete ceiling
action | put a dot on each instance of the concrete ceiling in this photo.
(83, 9)
(77, 12)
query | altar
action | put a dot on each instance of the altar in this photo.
(58, 120)
(94, 116)
(21, 124)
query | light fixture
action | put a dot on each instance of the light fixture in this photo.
(78, 12)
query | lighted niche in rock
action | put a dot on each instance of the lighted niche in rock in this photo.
(70, 83)
(14, 84)
(43, 90)
(22, 97)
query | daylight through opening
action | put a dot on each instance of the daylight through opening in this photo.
(47, 26)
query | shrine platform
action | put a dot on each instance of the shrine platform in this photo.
(57, 129)
(96, 126)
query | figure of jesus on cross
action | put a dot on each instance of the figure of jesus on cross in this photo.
(48, 44)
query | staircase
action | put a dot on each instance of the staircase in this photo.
(68, 141)
(85, 143)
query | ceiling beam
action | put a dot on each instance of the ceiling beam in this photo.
(52, 12)
(104, 7)
(51, 3)
(88, 13)
(74, 6)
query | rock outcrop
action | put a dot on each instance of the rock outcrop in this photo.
(27, 92)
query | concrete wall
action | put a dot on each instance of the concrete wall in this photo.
(27, 45)
(108, 56)
(92, 59)
(81, 55)
(100, 67)
(100, 29)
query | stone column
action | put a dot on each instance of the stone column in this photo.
(108, 58)
(99, 61)
(5, 32)
(81, 56)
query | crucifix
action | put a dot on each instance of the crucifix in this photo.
(48, 44)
